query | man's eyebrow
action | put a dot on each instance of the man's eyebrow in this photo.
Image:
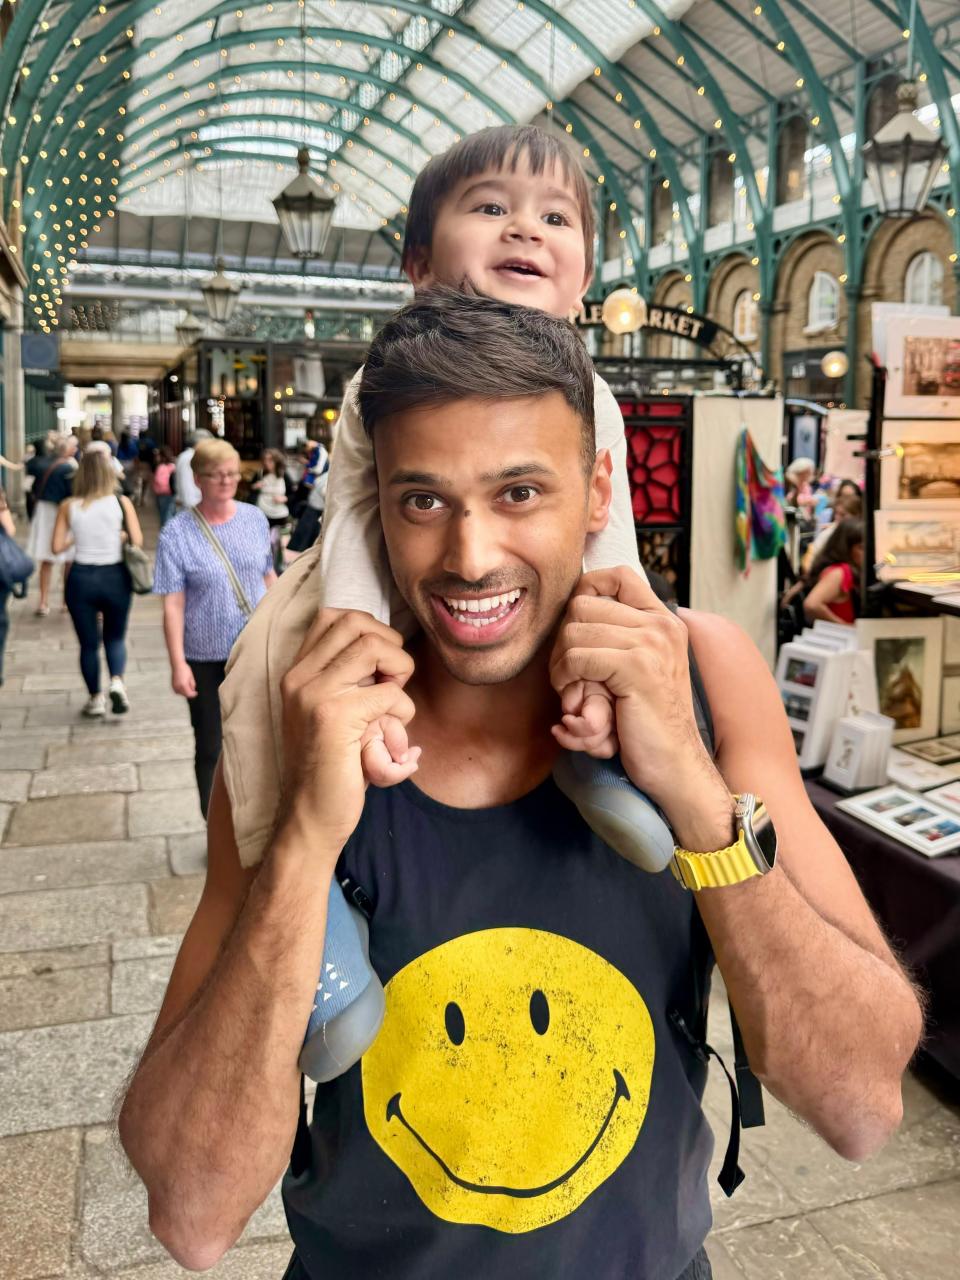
(429, 480)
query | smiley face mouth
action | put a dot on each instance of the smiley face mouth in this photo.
(620, 1091)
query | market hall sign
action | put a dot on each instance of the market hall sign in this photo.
(684, 324)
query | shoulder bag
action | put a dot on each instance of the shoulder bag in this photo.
(15, 566)
(243, 603)
(136, 561)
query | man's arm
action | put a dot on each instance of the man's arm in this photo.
(829, 1020)
(209, 1118)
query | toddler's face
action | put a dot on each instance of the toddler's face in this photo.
(513, 235)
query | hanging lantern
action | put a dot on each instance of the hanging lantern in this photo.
(903, 158)
(305, 211)
(624, 311)
(220, 295)
(834, 364)
(189, 329)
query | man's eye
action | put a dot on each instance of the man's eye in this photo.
(520, 494)
(422, 502)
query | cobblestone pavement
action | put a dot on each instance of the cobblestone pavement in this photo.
(101, 865)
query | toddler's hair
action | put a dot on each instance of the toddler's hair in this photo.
(447, 346)
(498, 148)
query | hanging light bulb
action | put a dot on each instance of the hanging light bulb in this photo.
(220, 295)
(189, 329)
(624, 311)
(834, 364)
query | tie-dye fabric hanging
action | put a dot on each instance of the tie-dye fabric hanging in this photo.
(761, 524)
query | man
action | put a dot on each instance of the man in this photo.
(531, 1106)
(187, 493)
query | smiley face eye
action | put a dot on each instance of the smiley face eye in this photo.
(539, 1013)
(453, 1021)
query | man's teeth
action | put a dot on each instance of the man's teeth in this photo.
(489, 605)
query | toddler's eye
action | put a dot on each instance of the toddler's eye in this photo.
(491, 207)
(556, 219)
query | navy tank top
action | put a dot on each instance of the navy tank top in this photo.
(528, 1108)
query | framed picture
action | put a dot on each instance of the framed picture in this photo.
(935, 751)
(950, 705)
(923, 367)
(913, 772)
(951, 642)
(881, 313)
(925, 475)
(916, 821)
(908, 543)
(907, 657)
(948, 796)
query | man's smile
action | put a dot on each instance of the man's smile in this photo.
(620, 1091)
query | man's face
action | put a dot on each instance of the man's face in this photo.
(514, 235)
(485, 508)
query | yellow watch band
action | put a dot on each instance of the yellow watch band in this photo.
(712, 870)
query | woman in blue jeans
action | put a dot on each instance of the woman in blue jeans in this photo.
(6, 523)
(93, 521)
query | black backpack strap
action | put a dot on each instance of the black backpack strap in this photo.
(730, 1175)
(300, 1154)
(748, 1086)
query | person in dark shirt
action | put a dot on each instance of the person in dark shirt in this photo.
(53, 484)
(531, 1106)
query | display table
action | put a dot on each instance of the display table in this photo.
(917, 901)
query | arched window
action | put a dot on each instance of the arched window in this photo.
(823, 310)
(745, 317)
(924, 283)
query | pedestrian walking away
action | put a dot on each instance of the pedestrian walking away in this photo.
(53, 484)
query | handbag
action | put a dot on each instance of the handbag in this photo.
(246, 608)
(15, 566)
(137, 562)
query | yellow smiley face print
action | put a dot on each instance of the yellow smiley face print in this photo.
(510, 1077)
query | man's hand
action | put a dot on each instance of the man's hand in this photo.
(618, 633)
(348, 675)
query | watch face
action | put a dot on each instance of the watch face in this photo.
(759, 832)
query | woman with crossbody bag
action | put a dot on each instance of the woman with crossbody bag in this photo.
(214, 564)
(95, 521)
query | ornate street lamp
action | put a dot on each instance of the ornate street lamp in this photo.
(220, 295)
(305, 211)
(903, 158)
(189, 329)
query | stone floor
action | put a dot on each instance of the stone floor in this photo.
(101, 865)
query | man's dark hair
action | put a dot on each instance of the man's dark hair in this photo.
(501, 147)
(447, 346)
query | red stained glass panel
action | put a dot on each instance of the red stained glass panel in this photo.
(654, 453)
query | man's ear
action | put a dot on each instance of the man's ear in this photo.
(417, 268)
(601, 492)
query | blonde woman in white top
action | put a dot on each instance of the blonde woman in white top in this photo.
(95, 521)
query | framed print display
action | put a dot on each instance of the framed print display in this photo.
(923, 367)
(951, 642)
(917, 774)
(926, 475)
(937, 750)
(918, 821)
(948, 796)
(907, 657)
(843, 436)
(908, 543)
(950, 705)
(881, 313)
(813, 684)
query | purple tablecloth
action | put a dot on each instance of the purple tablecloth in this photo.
(917, 900)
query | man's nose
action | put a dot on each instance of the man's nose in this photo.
(472, 551)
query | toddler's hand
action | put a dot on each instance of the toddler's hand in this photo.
(385, 757)
(588, 722)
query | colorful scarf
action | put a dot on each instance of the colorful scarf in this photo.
(760, 523)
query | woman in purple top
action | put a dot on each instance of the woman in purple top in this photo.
(202, 609)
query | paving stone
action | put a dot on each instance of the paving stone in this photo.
(173, 903)
(70, 866)
(53, 1077)
(18, 701)
(790, 1250)
(188, 854)
(138, 986)
(39, 734)
(903, 1236)
(57, 681)
(120, 750)
(26, 755)
(129, 726)
(65, 819)
(68, 917)
(48, 999)
(721, 1264)
(14, 784)
(12, 718)
(150, 948)
(19, 964)
(5, 811)
(38, 1176)
(167, 775)
(114, 1225)
(165, 813)
(242, 1262)
(83, 779)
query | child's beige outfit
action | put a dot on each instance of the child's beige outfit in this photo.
(349, 570)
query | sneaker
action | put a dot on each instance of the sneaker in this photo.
(96, 706)
(118, 697)
(42, 611)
